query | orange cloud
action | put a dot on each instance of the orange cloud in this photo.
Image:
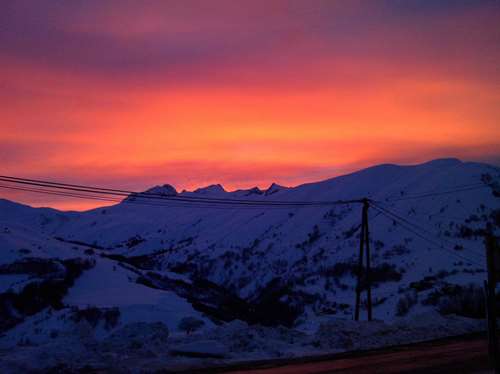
(120, 96)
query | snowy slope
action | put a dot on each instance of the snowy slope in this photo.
(244, 248)
(109, 285)
(159, 264)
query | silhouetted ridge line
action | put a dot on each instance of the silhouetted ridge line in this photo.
(144, 202)
(156, 196)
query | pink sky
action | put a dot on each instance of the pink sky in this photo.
(133, 94)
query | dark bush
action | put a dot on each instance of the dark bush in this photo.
(424, 284)
(467, 301)
(495, 217)
(269, 309)
(32, 266)
(405, 303)
(341, 269)
(190, 324)
(314, 235)
(397, 250)
(350, 232)
(40, 294)
(385, 272)
(466, 232)
(93, 315)
(111, 318)
(90, 314)
(134, 241)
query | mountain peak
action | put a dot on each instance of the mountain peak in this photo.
(165, 190)
(273, 188)
(247, 192)
(211, 189)
(253, 191)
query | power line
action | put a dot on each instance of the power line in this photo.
(59, 193)
(127, 193)
(131, 194)
(124, 193)
(421, 227)
(148, 203)
(110, 195)
(437, 245)
(433, 194)
(396, 217)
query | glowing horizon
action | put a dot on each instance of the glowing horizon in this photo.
(242, 93)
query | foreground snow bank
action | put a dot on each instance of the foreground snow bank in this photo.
(53, 340)
(350, 335)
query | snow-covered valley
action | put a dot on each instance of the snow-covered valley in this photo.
(135, 285)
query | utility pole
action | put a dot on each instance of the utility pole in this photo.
(493, 267)
(364, 278)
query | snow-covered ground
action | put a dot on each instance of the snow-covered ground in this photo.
(150, 267)
(109, 285)
(53, 340)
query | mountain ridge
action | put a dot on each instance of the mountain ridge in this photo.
(246, 250)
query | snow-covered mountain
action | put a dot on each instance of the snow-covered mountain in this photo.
(271, 265)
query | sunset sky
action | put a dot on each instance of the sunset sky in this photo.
(130, 94)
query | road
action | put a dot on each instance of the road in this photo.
(466, 354)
